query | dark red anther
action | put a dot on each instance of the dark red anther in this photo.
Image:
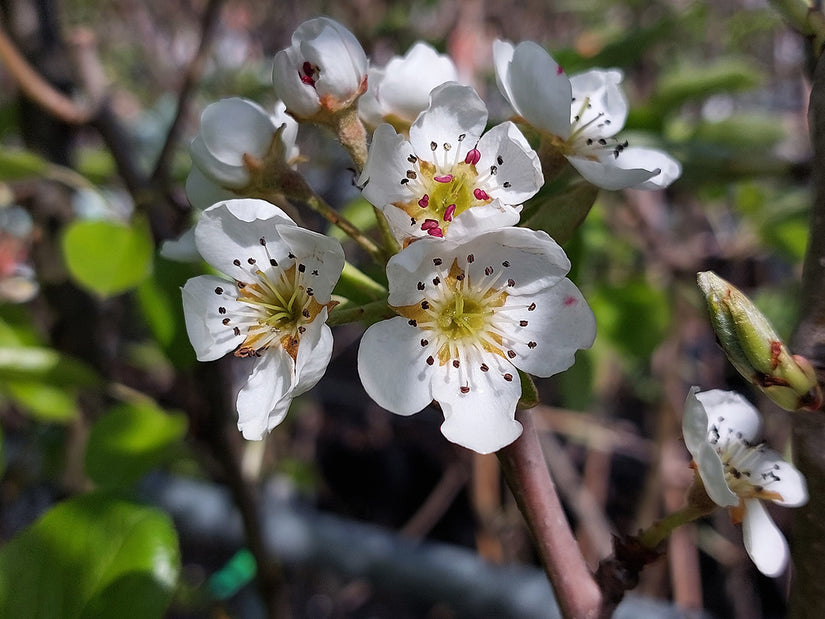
(473, 156)
(448, 214)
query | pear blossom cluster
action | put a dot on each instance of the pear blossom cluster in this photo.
(480, 303)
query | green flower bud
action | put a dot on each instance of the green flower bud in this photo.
(754, 348)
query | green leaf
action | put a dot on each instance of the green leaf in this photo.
(43, 402)
(561, 206)
(108, 257)
(160, 302)
(18, 164)
(44, 364)
(699, 81)
(91, 556)
(360, 213)
(129, 441)
(632, 316)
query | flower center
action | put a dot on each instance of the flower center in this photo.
(442, 190)
(280, 307)
(590, 134)
(459, 317)
(741, 461)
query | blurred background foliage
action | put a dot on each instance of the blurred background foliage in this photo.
(99, 387)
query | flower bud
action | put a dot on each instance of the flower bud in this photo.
(323, 72)
(236, 138)
(754, 348)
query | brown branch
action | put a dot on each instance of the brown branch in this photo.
(808, 591)
(38, 89)
(193, 72)
(527, 476)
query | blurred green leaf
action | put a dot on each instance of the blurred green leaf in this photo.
(18, 164)
(91, 556)
(577, 382)
(96, 164)
(45, 403)
(623, 51)
(360, 213)
(107, 257)
(690, 82)
(560, 206)
(633, 316)
(750, 133)
(160, 302)
(44, 364)
(129, 441)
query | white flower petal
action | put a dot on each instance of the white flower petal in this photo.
(182, 249)
(636, 157)
(264, 399)
(231, 231)
(204, 192)
(387, 163)
(520, 170)
(774, 474)
(336, 52)
(392, 367)
(530, 258)
(289, 133)
(314, 353)
(483, 419)
(454, 110)
(502, 60)
(712, 471)
(606, 99)
(210, 338)
(561, 324)
(300, 99)
(322, 256)
(479, 219)
(694, 422)
(730, 413)
(221, 173)
(370, 108)
(535, 86)
(407, 82)
(231, 127)
(764, 541)
(607, 172)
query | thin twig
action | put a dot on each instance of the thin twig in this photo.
(438, 501)
(193, 72)
(38, 89)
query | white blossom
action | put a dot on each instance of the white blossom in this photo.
(720, 428)
(272, 308)
(324, 70)
(449, 176)
(234, 134)
(471, 313)
(398, 92)
(583, 114)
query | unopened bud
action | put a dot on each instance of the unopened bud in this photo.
(754, 348)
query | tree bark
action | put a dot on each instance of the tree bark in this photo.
(808, 590)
